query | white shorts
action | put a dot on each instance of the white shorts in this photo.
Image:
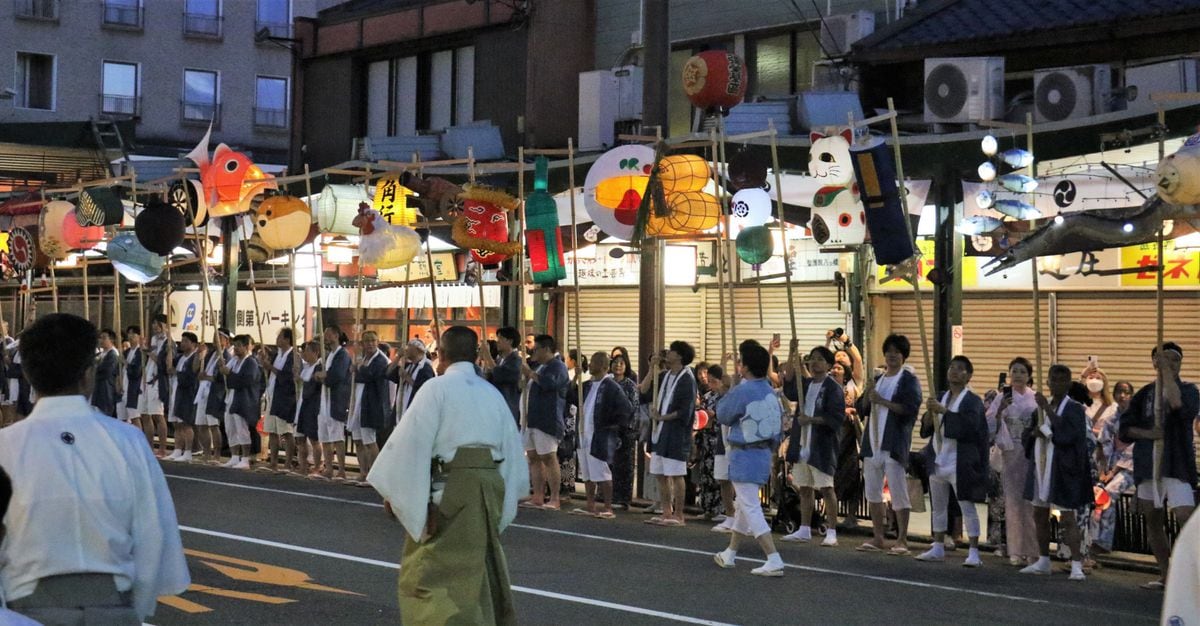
(721, 467)
(149, 403)
(538, 441)
(237, 432)
(130, 414)
(171, 419)
(591, 469)
(660, 466)
(14, 391)
(1177, 492)
(805, 475)
(367, 435)
(273, 425)
(354, 425)
(875, 469)
(330, 430)
(204, 419)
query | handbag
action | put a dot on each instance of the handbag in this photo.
(1001, 443)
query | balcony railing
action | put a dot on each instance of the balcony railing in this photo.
(202, 25)
(123, 15)
(120, 106)
(270, 118)
(275, 29)
(36, 9)
(200, 113)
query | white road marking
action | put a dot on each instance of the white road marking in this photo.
(389, 565)
(657, 546)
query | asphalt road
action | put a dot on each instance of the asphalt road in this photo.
(267, 549)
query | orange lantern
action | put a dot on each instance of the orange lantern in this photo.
(683, 172)
(693, 211)
(282, 222)
(80, 237)
(715, 79)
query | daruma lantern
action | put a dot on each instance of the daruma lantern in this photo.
(614, 188)
(80, 237)
(337, 206)
(683, 172)
(483, 225)
(714, 79)
(282, 222)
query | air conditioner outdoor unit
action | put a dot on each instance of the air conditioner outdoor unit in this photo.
(1175, 76)
(606, 97)
(1071, 92)
(838, 32)
(960, 90)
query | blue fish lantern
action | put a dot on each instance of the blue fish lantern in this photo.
(1018, 183)
(978, 224)
(1017, 209)
(133, 260)
(1017, 158)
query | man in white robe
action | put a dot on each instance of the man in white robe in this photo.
(451, 473)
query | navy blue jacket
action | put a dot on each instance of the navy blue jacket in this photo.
(897, 433)
(283, 394)
(611, 417)
(337, 379)
(419, 377)
(187, 383)
(968, 427)
(104, 393)
(675, 438)
(310, 407)
(506, 377)
(1179, 459)
(244, 385)
(1071, 468)
(216, 390)
(133, 378)
(375, 410)
(548, 399)
(164, 381)
(823, 440)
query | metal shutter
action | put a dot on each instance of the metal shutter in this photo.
(608, 318)
(816, 307)
(684, 317)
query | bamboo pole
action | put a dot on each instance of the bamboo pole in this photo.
(320, 271)
(1157, 449)
(87, 305)
(245, 243)
(575, 270)
(437, 323)
(520, 260)
(720, 253)
(722, 175)
(787, 258)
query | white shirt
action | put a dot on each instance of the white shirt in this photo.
(205, 388)
(306, 373)
(325, 410)
(588, 428)
(107, 477)
(886, 386)
(455, 410)
(947, 448)
(406, 389)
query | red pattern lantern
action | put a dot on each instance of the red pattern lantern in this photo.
(483, 225)
(715, 79)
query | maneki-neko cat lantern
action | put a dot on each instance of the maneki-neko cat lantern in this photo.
(483, 224)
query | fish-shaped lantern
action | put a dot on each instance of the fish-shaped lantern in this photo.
(1017, 158)
(1017, 209)
(978, 224)
(1018, 183)
(230, 179)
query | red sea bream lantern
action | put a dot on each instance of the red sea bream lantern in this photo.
(715, 79)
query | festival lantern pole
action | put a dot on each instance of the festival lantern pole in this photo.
(245, 243)
(320, 271)
(720, 255)
(359, 322)
(520, 260)
(1157, 451)
(53, 278)
(787, 262)
(574, 269)
(723, 175)
(437, 323)
(478, 266)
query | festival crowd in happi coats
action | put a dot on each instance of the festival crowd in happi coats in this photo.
(814, 430)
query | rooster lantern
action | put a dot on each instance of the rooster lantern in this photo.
(383, 245)
(230, 180)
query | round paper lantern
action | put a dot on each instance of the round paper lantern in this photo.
(188, 199)
(99, 206)
(159, 227)
(614, 187)
(132, 259)
(282, 222)
(693, 211)
(483, 225)
(714, 79)
(750, 207)
(755, 245)
(337, 206)
(747, 168)
(50, 229)
(21, 249)
(683, 172)
(80, 237)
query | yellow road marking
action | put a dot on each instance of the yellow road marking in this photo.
(187, 606)
(240, 595)
(251, 571)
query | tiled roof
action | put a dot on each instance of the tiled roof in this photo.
(939, 22)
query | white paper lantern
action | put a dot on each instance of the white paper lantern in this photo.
(337, 206)
(987, 172)
(989, 145)
(750, 207)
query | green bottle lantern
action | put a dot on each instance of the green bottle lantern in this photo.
(755, 245)
(543, 238)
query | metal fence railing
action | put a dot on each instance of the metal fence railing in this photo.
(203, 25)
(200, 112)
(36, 9)
(122, 14)
(127, 106)
(270, 118)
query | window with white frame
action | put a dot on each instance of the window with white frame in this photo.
(201, 96)
(426, 92)
(125, 13)
(120, 88)
(34, 82)
(271, 102)
(275, 16)
(36, 9)
(202, 18)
